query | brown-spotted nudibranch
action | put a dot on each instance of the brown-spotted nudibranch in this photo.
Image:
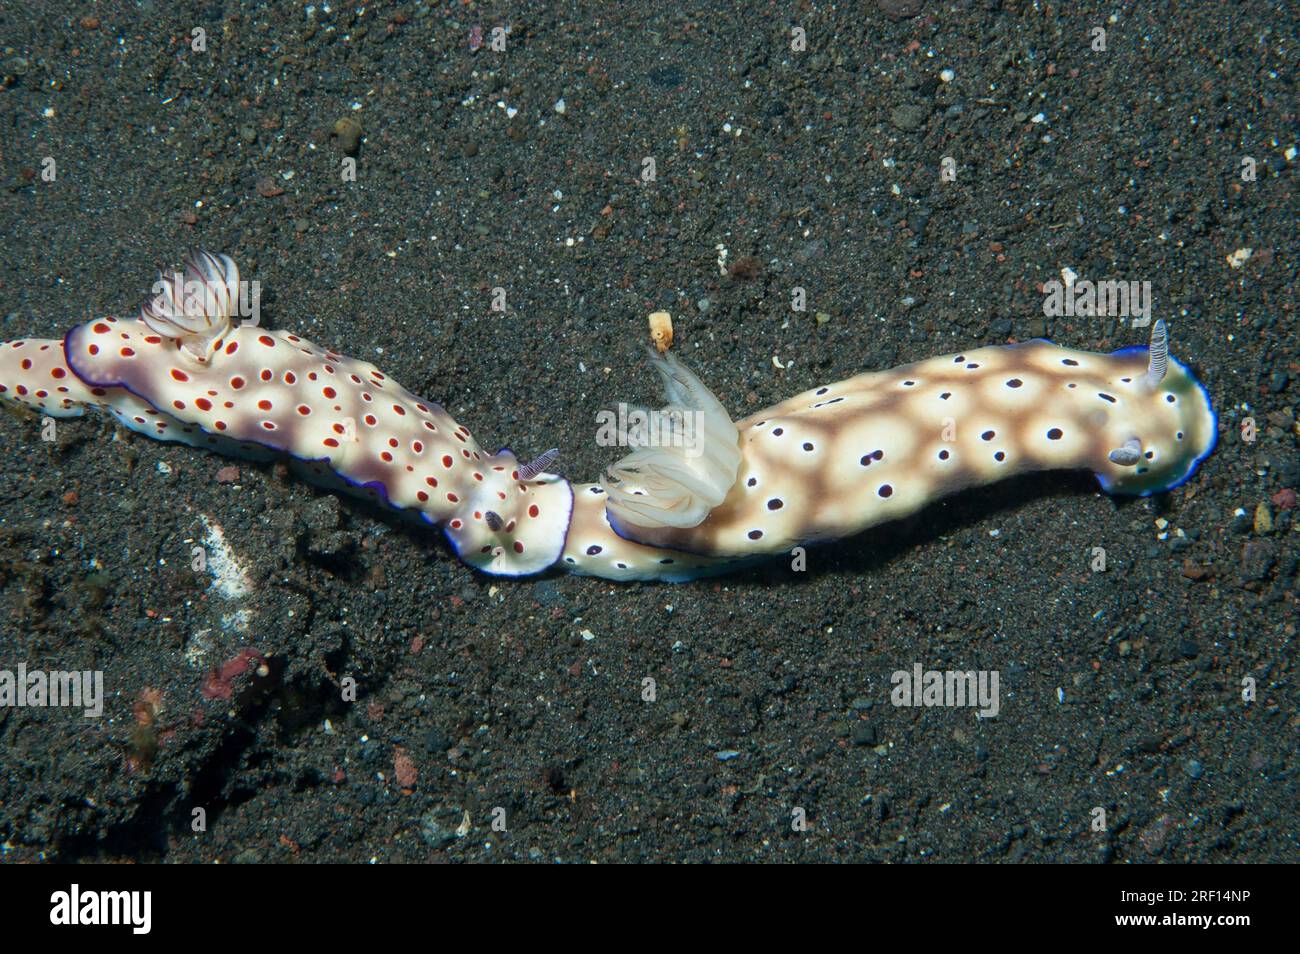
(827, 463)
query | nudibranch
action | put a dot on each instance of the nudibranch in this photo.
(841, 458)
(186, 370)
(824, 464)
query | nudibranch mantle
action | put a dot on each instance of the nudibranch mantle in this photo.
(827, 463)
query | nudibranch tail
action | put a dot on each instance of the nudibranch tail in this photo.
(350, 425)
(33, 372)
(593, 548)
(684, 459)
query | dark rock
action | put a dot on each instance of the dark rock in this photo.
(1154, 836)
(438, 826)
(864, 733)
(1257, 558)
(909, 117)
(901, 9)
(1287, 470)
(667, 77)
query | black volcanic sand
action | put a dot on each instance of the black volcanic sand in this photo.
(1120, 690)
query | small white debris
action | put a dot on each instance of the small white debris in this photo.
(1290, 154)
(229, 578)
(1069, 276)
(1240, 257)
(197, 647)
(1038, 118)
(164, 467)
(587, 635)
(947, 76)
(237, 622)
(560, 106)
(661, 330)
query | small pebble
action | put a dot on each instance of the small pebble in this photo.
(348, 133)
(1263, 519)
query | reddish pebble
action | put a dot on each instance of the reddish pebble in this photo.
(1284, 499)
(404, 770)
(227, 475)
(219, 683)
